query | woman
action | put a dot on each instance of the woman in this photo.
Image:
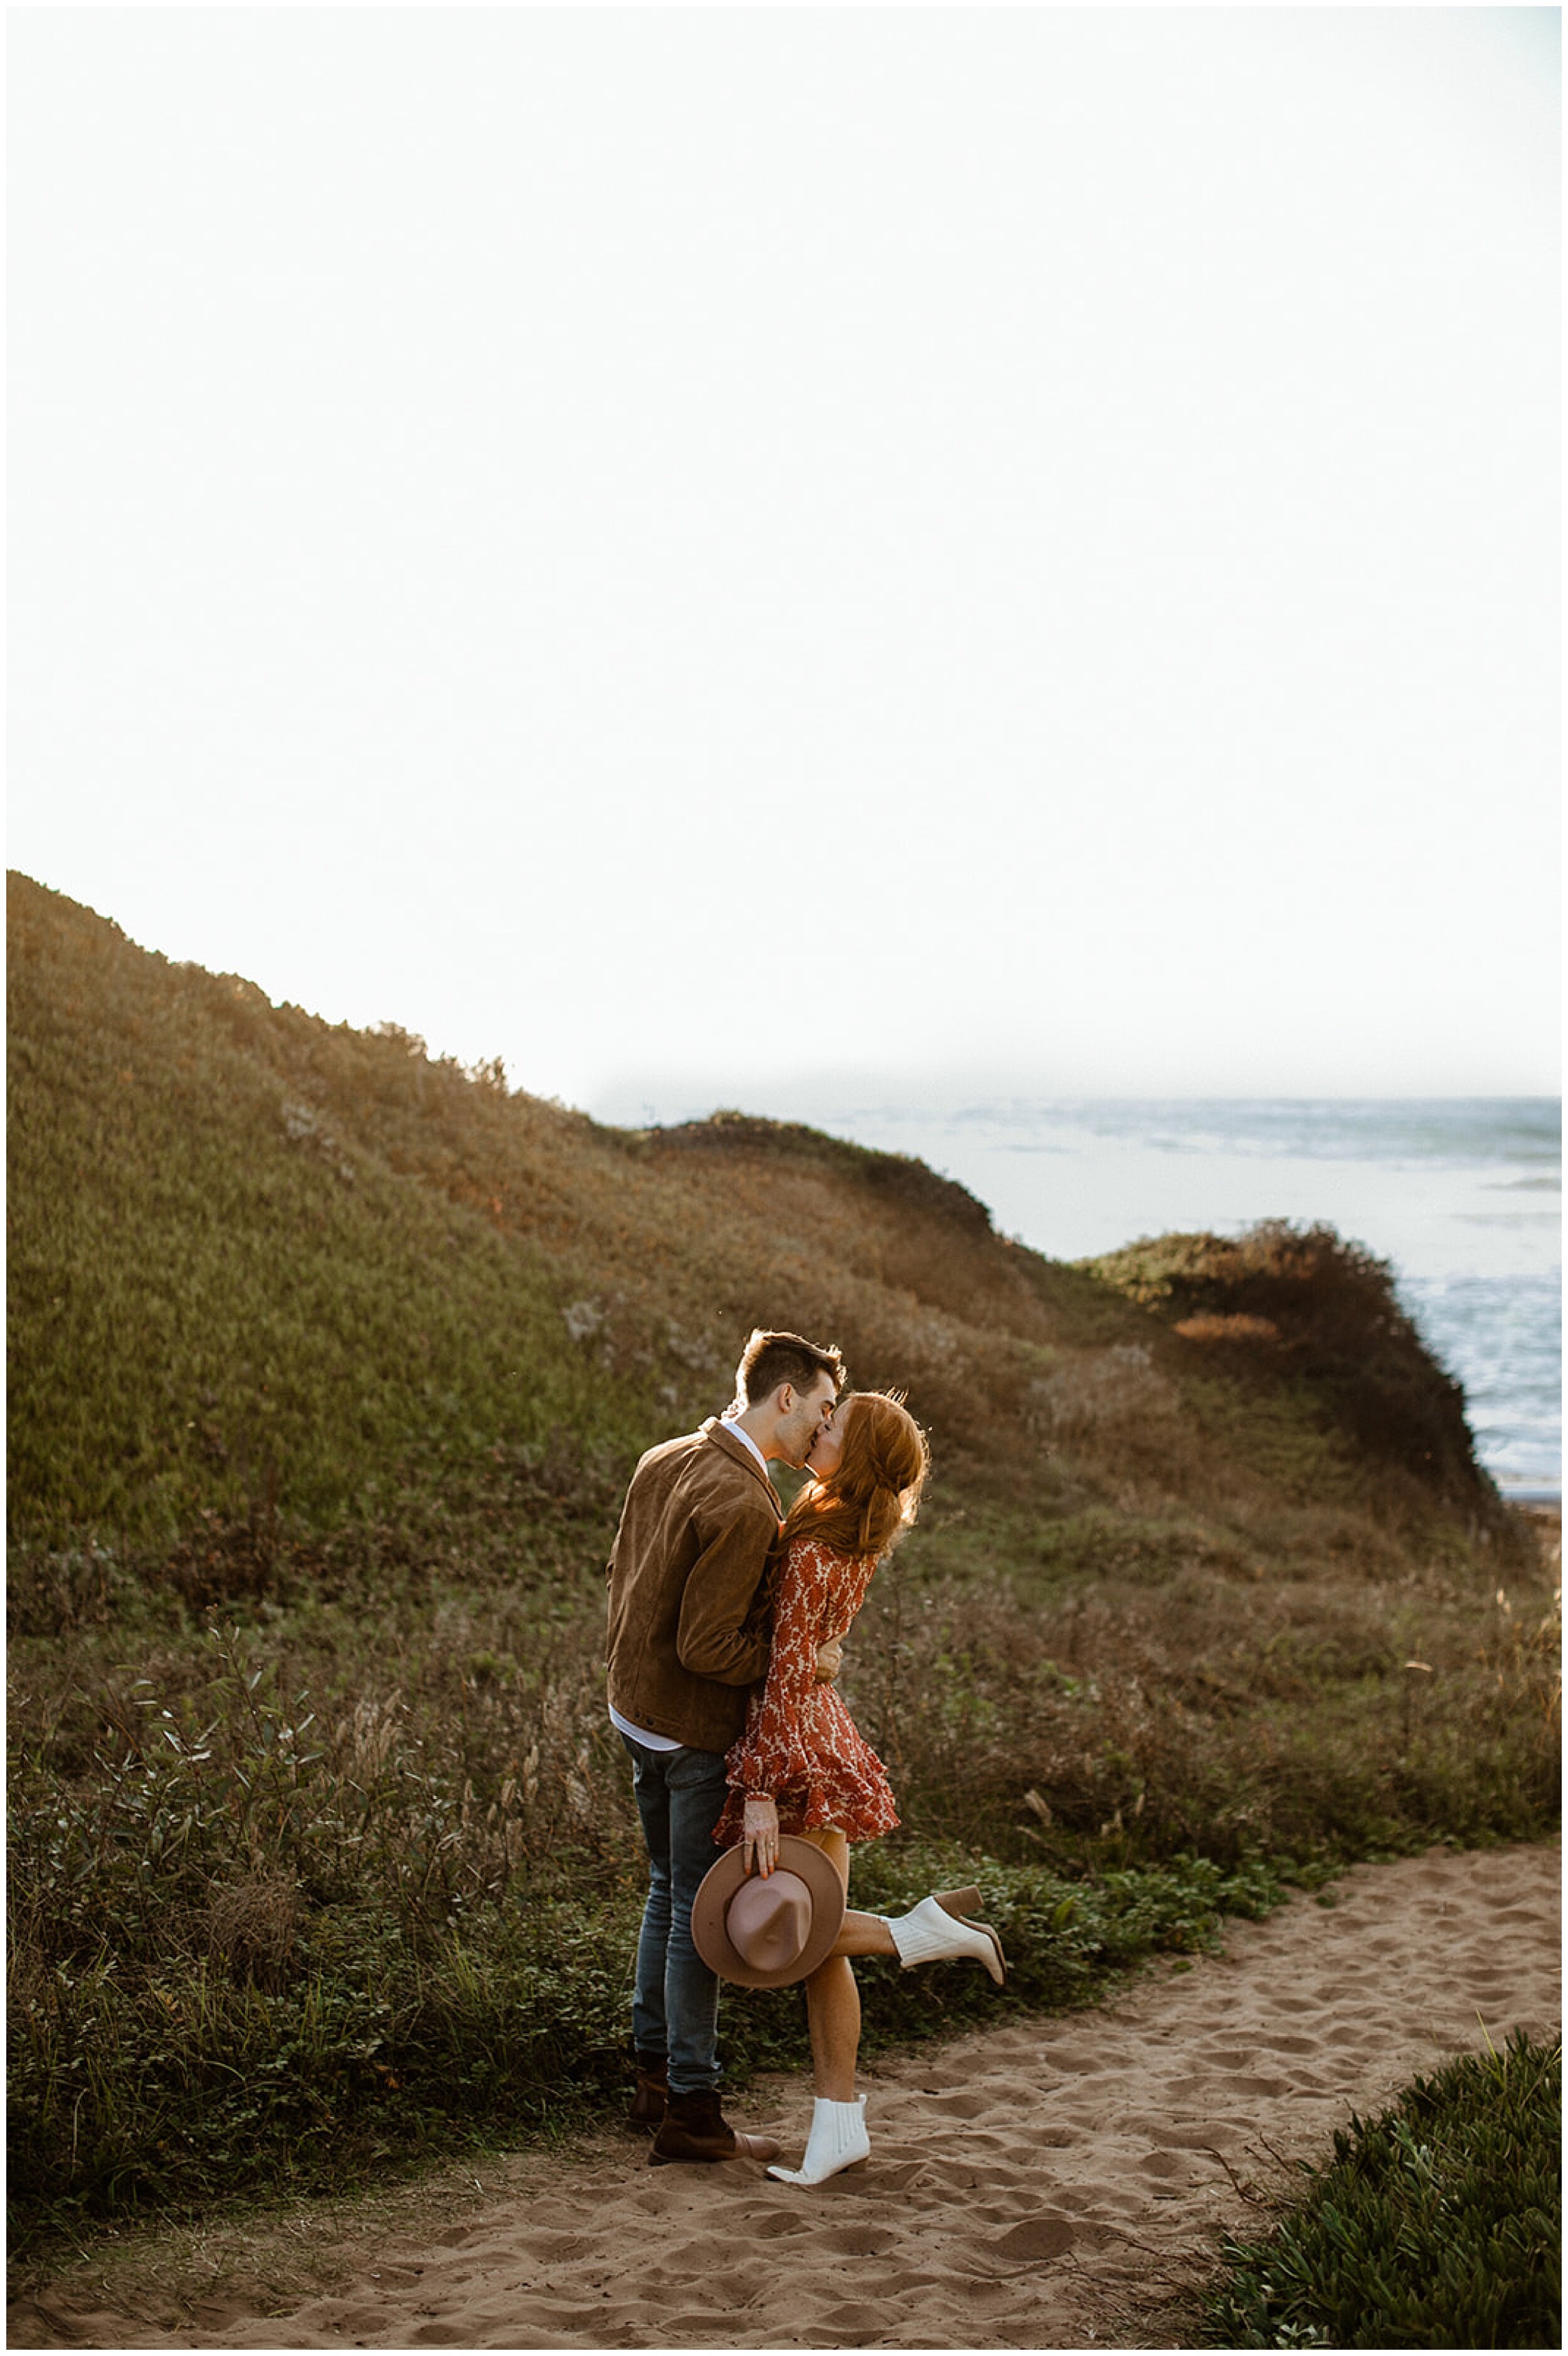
(802, 1766)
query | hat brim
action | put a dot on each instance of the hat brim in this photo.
(829, 1907)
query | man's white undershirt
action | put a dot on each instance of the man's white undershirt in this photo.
(623, 1724)
(640, 1733)
(735, 1432)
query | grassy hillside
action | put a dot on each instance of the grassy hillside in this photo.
(252, 1256)
(256, 1258)
(329, 1361)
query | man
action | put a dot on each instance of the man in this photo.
(687, 1638)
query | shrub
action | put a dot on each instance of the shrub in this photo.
(1282, 1302)
(1437, 2225)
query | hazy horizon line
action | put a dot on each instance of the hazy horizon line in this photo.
(940, 1093)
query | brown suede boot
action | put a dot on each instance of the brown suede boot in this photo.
(695, 2129)
(646, 2114)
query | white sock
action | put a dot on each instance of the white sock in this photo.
(837, 2140)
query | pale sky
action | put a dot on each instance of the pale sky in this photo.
(712, 547)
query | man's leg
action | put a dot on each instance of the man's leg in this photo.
(694, 2127)
(649, 2031)
(697, 1792)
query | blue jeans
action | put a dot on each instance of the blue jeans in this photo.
(675, 2009)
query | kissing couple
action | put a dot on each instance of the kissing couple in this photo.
(751, 1781)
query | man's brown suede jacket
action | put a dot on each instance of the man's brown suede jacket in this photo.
(689, 1587)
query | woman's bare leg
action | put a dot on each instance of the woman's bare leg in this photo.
(865, 1935)
(832, 1999)
(833, 2015)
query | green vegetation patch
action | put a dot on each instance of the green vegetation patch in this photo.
(224, 1289)
(293, 2053)
(1437, 2225)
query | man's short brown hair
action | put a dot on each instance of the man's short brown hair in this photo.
(770, 1359)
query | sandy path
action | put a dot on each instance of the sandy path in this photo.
(1049, 2184)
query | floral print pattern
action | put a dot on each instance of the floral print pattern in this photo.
(800, 1744)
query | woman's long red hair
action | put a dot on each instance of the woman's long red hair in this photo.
(873, 1493)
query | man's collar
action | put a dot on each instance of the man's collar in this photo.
(742, 1450)
(732, 1423)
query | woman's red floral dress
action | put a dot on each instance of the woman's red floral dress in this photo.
(801, 1743)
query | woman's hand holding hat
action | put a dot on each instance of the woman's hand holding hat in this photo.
(760, 1834)
(769, 1930)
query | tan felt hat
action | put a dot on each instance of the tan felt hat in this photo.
(772, 1932)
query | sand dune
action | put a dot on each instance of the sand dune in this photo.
(1049, 2184)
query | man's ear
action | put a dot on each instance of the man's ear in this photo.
(783, 1397)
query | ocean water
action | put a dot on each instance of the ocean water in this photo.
(1461, 1196)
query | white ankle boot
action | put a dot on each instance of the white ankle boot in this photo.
(837, 2140)
(928, 1931)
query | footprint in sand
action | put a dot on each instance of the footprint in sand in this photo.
(1226, 2089)
(959, 2106)
(859, 2241)
(550, 2248)
(1197, 2137)
(1035, 2242)
(999, 2143)
(854, 2324)
(699, 2259)
(893, 2180)
(779, 2222)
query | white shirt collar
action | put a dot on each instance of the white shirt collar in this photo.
(730, 1424)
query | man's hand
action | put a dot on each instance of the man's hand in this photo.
(829, 1660)
(760, 1835)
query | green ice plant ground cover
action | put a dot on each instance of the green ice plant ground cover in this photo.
(1437, 2225)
